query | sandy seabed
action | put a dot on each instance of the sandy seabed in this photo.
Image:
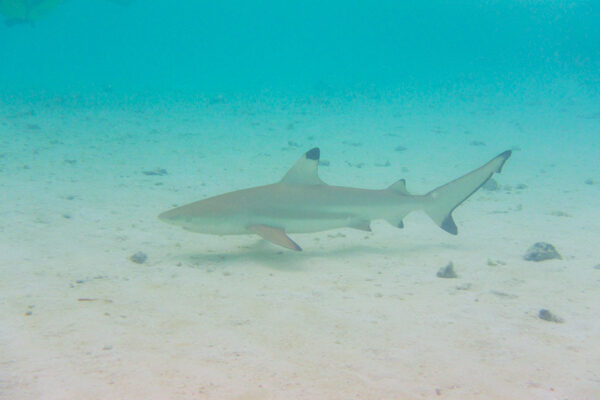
(356, 315)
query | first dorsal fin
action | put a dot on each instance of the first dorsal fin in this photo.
(305, 171)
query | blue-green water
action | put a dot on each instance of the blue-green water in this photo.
(114, 111)
(249, 47)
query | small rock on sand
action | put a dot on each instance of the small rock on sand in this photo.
(491, 185)
(541, 251)
(139, 258)
(447, 271)
(546, 315)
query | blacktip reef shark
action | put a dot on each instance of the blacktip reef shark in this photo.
(302, 203)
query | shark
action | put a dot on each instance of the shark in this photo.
(302, 203)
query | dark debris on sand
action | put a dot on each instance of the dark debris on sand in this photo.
(156, 172)
(546, 315)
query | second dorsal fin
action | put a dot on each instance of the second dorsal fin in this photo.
(399, 187)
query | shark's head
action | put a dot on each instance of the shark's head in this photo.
(233, 213)
(202, 217)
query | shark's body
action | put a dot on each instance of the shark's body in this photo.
(302, 203)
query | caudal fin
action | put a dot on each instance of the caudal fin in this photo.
(440, 202)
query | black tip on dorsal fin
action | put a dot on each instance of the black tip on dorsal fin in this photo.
(313, 154)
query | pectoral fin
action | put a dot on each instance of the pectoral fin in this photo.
(275, 235)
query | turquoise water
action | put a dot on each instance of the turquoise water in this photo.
(112, 112)
(236, 47)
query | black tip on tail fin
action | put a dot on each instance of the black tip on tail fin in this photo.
(505, 156)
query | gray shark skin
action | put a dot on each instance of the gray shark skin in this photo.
(301, 202)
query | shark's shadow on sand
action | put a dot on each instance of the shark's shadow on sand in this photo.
(261, 253)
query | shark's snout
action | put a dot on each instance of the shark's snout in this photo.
(170, 217)
(179, 217)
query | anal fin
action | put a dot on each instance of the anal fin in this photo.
(361, 224)
(275, 235)
(397, 222)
